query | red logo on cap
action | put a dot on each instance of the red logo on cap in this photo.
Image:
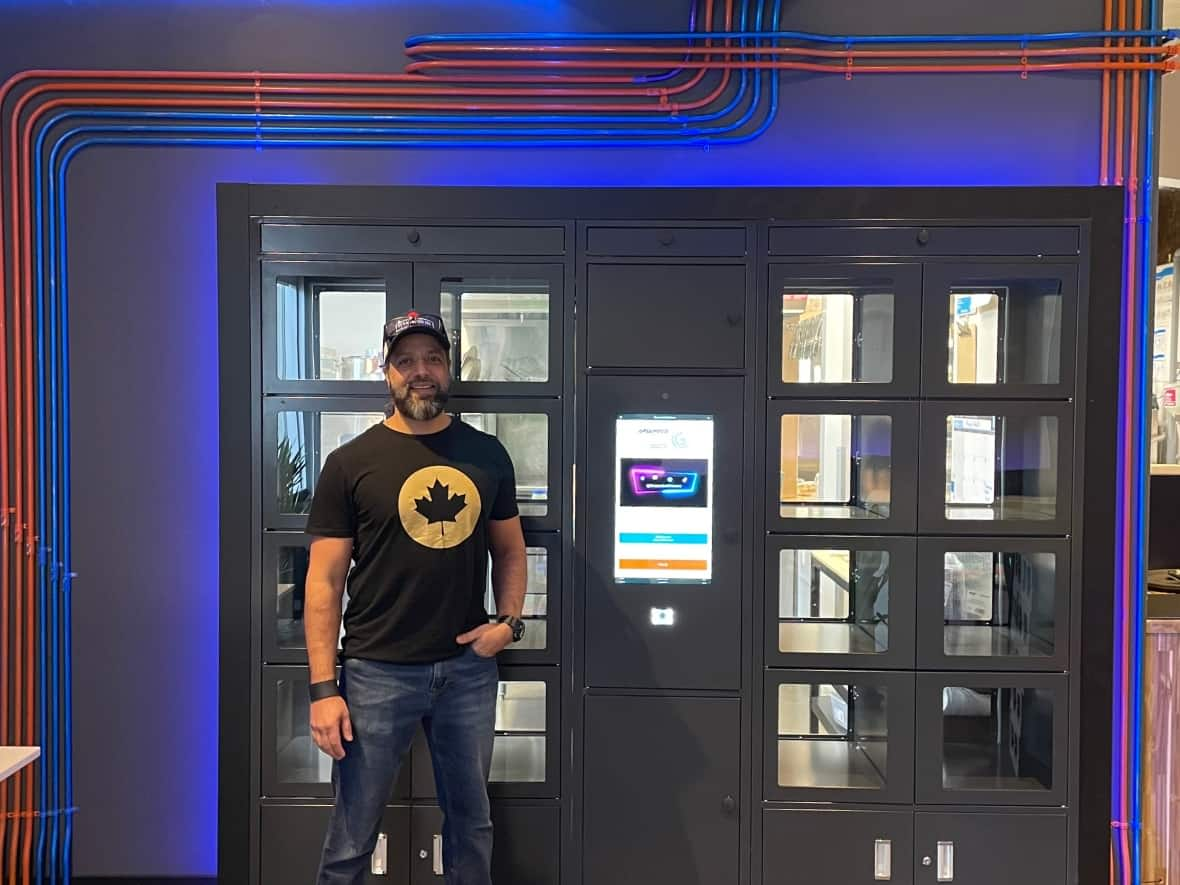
(413, 314)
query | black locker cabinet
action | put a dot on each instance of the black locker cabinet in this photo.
(863, 637)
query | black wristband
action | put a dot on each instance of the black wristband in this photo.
(317, 691)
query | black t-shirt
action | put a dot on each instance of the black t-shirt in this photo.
(417, 510)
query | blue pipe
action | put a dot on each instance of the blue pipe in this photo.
(800, 36)
(692, 27)
(676, 125)
(1143, 441)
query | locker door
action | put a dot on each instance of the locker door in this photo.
(983, 849)
(661, 791)
(844, 846)
(663, 579)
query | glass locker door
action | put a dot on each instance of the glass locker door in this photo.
(839, 736)
(1000, 330)
(322, 324)
(839, 330)
(841, 601)
(292, 764)
(525, 755)
(506, 323)
(298, 434)
(530, 430)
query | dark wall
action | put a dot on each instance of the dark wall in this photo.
(142, 264)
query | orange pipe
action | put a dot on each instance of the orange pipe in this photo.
(1043, 52)
(1120, 112)
(1104, 161)
(498, 64)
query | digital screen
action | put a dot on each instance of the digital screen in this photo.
(663, 499)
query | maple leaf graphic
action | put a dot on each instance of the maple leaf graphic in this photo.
(441, 507)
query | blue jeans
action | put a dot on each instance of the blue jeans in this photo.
(455, 700)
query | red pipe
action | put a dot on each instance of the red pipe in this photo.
(1120, 113)
(1104, 161)
(464, 49)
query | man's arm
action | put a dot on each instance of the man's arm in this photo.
(506, 545)
(509, 565)
(326, 574)
(331, 725)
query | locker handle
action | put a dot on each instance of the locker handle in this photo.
(437, 854)
(946, 861)
(379, 860)
(883, 860)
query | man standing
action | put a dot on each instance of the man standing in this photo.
(416, 503)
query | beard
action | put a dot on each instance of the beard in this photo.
(416, 407)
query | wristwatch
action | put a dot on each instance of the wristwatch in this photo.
(516, 624)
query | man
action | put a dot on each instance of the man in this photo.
(417, 502)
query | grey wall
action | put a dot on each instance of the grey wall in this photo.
(143, 305)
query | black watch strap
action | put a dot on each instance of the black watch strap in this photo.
(317, 691)
(516, 624)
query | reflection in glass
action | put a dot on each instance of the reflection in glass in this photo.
(1001, 467)
(997, 738)
(499, 329)
(835, 466)
(1008, 333)
(305, 440)
(999, 604)
(518, 754)
(329, 329)
(526, 437)
(298, 759)
(833, 601)
(290, 596)
(832, 736)
(536, 599)
(837, 334)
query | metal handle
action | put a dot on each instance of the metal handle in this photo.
(946, 861)
(413, 236)
(729, 805)
(378, 863)
(667, 239)
(883, 860)
(437, 845)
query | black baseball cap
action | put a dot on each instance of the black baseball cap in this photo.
(413, 322)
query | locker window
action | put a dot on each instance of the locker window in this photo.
(1005, 333)
(835, 466)
(526, 437)
(833, 601)
(518, 754)
(297, 759)
(329, 329)
(536, 599)
(832, 736)
(499, 329)
(997, 738)
(999, 604)
(837, 334)
(305, 439)
(1001, 467)
(290, 596)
